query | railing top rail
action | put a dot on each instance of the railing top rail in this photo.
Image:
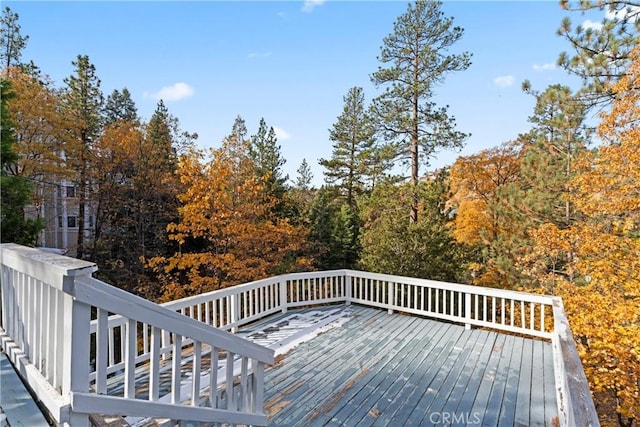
(478, 290)
(579, 407)
(40, 264)
(220, 293)
(235, 289)
(95, 292)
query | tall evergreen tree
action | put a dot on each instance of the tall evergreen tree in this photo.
(543, 194)
(415, 61)
(239, 129)
(267, 157)
(120, 106)
(83, 105)
(305, 176)
(161, 139)
(11, 41)
(353, 137)
(557, 138)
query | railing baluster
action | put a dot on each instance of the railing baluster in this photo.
(176, 365)
(258, 386)
(531, 316)
(145, 338)
(130, 353)
(58, 337)
(28, 318)
(154, 365)
(244, 394)
(213, 379)
(229, 384)
(207, 314)
(44, 315)
(452, 303)
(195, 375)
(101, 351)
(36, 321)
(512, 314)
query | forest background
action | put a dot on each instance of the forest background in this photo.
(556, 210)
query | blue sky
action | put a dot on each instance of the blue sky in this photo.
(292, 62)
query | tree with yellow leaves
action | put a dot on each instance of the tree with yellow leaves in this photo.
(225, 232)
(478, 186)
(604, 305)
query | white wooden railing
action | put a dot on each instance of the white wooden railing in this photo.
(534, 315)
(48, 303)
(161, 346)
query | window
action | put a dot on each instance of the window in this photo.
(72, 222)
(70, 191)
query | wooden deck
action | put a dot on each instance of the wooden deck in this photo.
(400, 370)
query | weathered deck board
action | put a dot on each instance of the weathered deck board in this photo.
(550, 402)
(359, 366)
(401, 370)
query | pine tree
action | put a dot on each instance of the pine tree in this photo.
(83, 105)
(353, 137)
(415, 61)
(161, 139)
(393, 245)
(543, 196)
(239, 129)
(264, 151)
(305, 176)
(120, 106)
(601, 55)
(11, 42)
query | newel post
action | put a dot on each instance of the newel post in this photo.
(75, 349)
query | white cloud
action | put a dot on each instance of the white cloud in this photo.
(254, 55)
(630, 12)
(589, 24)
(504, 81)
(281, 134)
(309, 5)
(174, 92)
(544, 67)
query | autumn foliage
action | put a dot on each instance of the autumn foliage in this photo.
(550, 216)
(226, 233)
(604, 311)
